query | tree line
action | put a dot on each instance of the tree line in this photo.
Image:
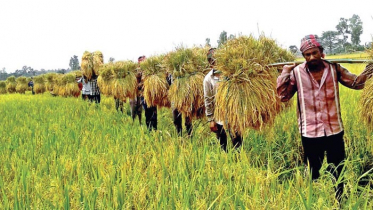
(344, 39)
(28, 71)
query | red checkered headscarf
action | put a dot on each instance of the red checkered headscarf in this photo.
(308, 42)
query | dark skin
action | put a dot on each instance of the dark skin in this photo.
(314, 61)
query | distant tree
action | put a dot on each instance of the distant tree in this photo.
(111, 60)
(343, 29)
(74, 63)
(231, 36)
(3, 74)
(24, 69)
(31, 71)
(293, 49)
(222, 38)
(208, 42)
(329, 40)
(61, 71)
(356, 26)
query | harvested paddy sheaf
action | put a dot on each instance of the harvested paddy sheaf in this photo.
(106, 78)
(366, 100)
(188, 67)
(246, 96)
(155, 81)
(39, 84)
(124, 83)
(21, 85)
(3, 87)
(11, 84)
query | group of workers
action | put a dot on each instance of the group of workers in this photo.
(316, 82)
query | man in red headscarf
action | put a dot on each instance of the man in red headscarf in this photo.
(319, 115)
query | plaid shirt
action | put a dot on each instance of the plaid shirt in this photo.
(94, 87)
(319, 112)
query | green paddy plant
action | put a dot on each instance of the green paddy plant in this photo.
(246, 95)
(21, 85)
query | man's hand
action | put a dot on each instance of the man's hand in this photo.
(213, 127)
(368, 71)
(288, 68)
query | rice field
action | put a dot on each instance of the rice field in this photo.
(64, 153)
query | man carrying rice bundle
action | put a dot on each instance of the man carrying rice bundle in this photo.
(210, 84)
(319, 117)
(136, 102)
(186, 67)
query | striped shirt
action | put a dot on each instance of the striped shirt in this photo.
(319, 112)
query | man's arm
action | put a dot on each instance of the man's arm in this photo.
(352, 81)
(286, 85)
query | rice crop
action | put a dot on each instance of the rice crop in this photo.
(246, 96)
(11, 84)
(187, 66)
(124, 83)
(39, 84)
(3, 87)
(21, 85)
(155, 82)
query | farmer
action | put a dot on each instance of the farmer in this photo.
(210, 84)
(150, 111)
(136, 103)
(31, 84)
(95, 90)
(178, 117)
(319, 116)
(86, 88)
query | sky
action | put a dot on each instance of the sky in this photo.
(45, 34)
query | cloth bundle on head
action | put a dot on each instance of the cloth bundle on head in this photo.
(308, 42)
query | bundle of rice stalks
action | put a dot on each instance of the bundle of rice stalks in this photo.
(124, 83)
(39, 84)
(71, 86)
(50, 81)
(187, 66)
(87, 64)
(3, 87)
(98, 61)
(366, 100)
(11, 84)
(21, 85)
(155, 81)
(246, 98)
(60, 86)
(105, 80)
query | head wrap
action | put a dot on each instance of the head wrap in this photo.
(308, 42)
(141, 58)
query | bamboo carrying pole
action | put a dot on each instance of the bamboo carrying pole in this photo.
(330, 60)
